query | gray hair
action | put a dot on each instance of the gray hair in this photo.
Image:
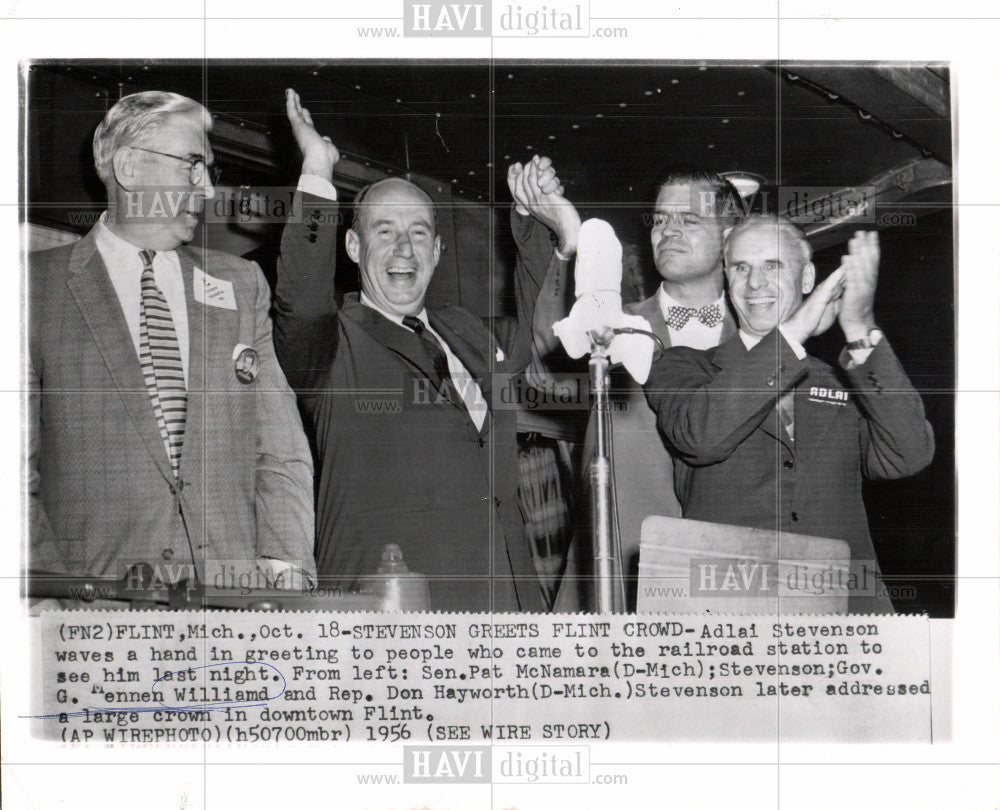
(128, 121)
(780, 224)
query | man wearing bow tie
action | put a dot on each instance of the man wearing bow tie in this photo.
(162, 431)
(772, 438)
(692, 211)
(410, 449)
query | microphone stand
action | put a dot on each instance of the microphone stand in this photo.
(610, 584)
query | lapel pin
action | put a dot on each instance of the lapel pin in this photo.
(247, 364)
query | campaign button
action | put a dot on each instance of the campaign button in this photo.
(247, 365)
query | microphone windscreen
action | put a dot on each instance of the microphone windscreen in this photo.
(598, 258)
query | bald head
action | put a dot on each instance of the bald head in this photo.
(371, 195)
(395, 244)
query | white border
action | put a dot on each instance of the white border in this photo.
(962, 774)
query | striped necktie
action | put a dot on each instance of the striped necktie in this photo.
(160, 359)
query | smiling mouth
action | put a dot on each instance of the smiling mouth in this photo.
(760, 303)
(401, 272)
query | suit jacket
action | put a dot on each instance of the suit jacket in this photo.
(101, 489)
(717, 411)
(398, 461)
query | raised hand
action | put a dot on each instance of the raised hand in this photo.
(857, 317)
(319, 155)
(819, 310)
(538, 191)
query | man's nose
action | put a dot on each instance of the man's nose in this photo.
(403, 245)
(757, 278)
(670, 228)
(207, 186)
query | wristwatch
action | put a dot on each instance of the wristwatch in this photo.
(868, 342)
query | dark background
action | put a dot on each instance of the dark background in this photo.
(609, 128)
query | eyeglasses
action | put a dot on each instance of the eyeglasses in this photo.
(197, 166)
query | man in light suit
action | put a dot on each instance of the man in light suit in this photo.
(411, 448)
(162, 429)
(693, 209)
(775, 439)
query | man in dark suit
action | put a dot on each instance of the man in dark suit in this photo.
(775, 439)
(692, 211)
(411, 448)
(162, 429)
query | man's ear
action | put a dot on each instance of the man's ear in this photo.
(124, 165)
(437, 250)
(808, 278)
(353, 245)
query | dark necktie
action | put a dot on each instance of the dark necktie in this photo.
(434, 351)
(160, 360)
(710, 315)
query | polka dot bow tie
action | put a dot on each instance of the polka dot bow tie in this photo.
(677, 317)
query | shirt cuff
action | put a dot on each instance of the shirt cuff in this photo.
(317, 186)
(273, 568)
(561, 256)
(797, 347)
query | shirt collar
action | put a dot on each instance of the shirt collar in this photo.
(116, 250)
(665, 301)
(392, 316)
(749, 340)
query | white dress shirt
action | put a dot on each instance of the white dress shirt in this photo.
(695, 334)
(752, 340)
(125, 269)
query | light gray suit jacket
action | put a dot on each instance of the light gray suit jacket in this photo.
(102, 494)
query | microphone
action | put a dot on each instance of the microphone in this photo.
(596, 321)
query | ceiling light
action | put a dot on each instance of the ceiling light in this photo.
(746, 183)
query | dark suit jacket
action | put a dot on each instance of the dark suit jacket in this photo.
(101, 490)
(717, 410)
(398, 463)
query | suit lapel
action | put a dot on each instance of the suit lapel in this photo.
(730, 354)
(198, 357)
(91, 288)
(650, 310)
(397, 339)
(475, 360)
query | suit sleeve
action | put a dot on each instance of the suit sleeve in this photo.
(41, 536)
(536, 260)
(284, 477)
(896, 438)
(305, 308)
(705, 411)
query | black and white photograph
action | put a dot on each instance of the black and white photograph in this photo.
(487, 473)
(498, 405)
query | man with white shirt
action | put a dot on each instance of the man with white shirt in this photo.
(775, 439)
(162, 431)
(410, 450)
